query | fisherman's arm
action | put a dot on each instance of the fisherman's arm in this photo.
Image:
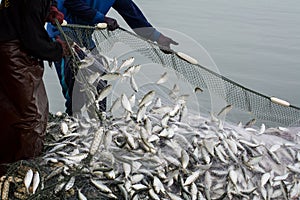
(34, 37)
(140, 25)
(83, 11)
(136, 19)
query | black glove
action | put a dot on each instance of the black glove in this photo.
(164, 43)
(112, 24)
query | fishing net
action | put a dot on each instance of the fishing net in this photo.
(260, 106)
(151, 148)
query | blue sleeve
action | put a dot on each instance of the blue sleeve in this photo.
(83, 12)
(135, 19)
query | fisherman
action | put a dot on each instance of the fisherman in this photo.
(24, 44)
(91, 12)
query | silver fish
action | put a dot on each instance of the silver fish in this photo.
(110, 76)
(264, 179)
(127, 169)
(104, 93)
(64, 128)
(139, 186)
(233, 176)
(77, 158)
(193, 177)
(250, 123)
(153, 195)
(225, 110)
(126, 63)
(108, 138)
(137, 178)
(110, 174)
(133, 84)
(262, 129)
(194, 191)
(28, 179)
(125, 103)
(157, 185)
(147, 98)
(96, 141)
(70, 183)
(163, 78)
(165, 120)
(36, 182)
(141, 113)
(101, 186)
(184, 159)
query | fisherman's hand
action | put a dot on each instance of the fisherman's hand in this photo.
(112, 24)
(164, 43)
(55, 14)
(64, 45)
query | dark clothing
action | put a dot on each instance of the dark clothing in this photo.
(24, 106)
(91, 12)
(24, 20)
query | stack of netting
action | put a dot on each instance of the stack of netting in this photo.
(260, 106)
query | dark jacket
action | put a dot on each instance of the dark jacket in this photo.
(17, 23)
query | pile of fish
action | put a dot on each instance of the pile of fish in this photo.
(143, 149)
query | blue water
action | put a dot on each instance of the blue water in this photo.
(255, 43)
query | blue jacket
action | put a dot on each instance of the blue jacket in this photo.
(91, 12)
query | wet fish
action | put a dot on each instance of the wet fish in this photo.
(110, 76)
(70, 183)
(250, 123)
(133, 84)
(36, 182)
(225, 110)
(125, 103)
(163, 78)
(104, 93)
(101, 186)
(147, 98)
(126, 63)
(28, 179)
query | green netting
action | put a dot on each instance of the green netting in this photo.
(233, 93)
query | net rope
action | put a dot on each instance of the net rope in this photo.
(240, 97)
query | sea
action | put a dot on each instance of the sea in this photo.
(254, 43)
